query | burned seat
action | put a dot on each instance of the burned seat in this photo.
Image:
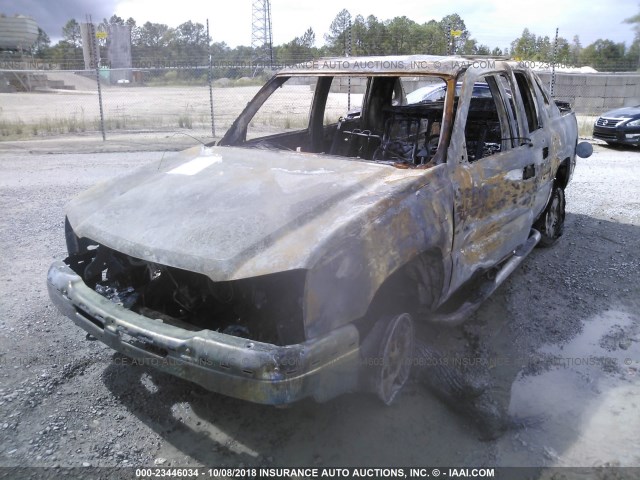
(411, 133)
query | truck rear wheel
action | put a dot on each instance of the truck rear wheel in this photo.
(551, 222)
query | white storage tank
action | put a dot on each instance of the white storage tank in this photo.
(17, 32)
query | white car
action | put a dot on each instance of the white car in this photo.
(436, 93)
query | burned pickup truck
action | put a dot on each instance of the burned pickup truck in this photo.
(294, 258)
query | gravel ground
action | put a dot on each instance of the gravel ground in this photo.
(70, 402)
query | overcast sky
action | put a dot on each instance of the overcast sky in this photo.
(492, 22)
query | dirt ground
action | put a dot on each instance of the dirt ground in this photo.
(560, 341)
(140, 109)
(134, 113)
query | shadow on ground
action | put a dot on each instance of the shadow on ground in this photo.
(577, 299)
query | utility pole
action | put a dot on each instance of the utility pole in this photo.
(261, 34)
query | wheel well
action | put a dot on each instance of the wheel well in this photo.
(562, 175)
(400, 291)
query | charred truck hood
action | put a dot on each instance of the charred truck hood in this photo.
(228, 214)
(232, 213)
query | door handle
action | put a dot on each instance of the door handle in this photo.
(529, 171)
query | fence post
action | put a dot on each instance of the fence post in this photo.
(348, 54)
(210, 76)
(94, 47)
(553, 65)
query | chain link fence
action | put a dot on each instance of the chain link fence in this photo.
(152, 100)
(592, 94)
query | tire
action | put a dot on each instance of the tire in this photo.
(396, 357)
(551, 222)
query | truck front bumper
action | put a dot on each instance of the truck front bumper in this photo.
(321, 368)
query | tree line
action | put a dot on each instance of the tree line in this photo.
(159, 44)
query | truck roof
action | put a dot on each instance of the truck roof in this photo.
(449, 66)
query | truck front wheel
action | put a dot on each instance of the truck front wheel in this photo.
(396, 356)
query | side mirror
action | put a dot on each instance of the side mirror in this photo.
(584, 149)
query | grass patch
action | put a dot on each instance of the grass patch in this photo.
(176, 78)
(247, 82)
(585, 125)
(185, 119)
(9, 129)
(277, 122)
(75, 124)
(17, 129)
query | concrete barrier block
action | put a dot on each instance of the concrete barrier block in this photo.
(614, 91)
(577, 80)
(569, 89)
(593, 80)
(629, 90)
(562, 79)
(593, 91)
(615, 80)
(544, 78)
(613, 102)
(588, 104)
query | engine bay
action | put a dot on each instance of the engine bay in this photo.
(265, 309)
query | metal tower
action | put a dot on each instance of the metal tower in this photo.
(261, 38)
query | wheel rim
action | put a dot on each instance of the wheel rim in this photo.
(396, 358)
(553, 217)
